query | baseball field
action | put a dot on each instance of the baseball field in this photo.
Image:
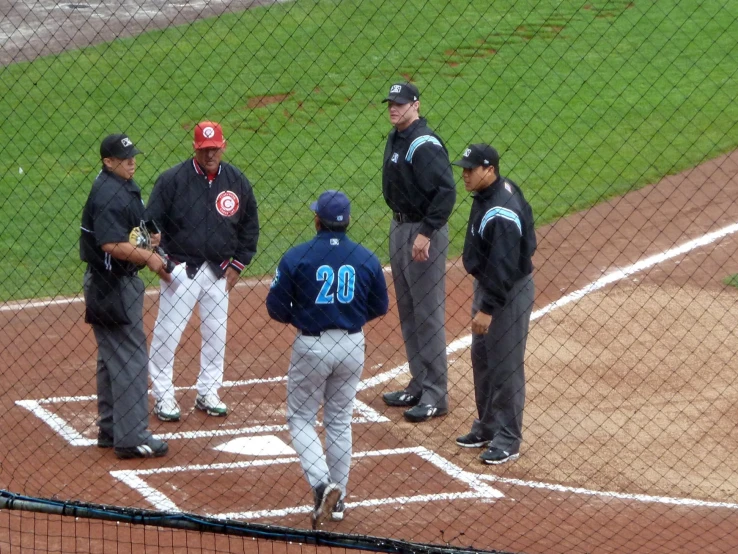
(617, 118)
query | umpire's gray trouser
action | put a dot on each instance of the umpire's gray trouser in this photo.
(327, 368)
(420, 288)
(498, 366)
(122, 375)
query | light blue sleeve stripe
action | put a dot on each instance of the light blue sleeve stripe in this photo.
(418, 142)
(503, 213)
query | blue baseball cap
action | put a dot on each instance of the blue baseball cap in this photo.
(332, 206)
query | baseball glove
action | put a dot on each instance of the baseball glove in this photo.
(141, 238)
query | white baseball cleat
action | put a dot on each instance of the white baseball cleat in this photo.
(210, 403)
(167, 410)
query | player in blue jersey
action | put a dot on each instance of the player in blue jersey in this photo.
(328, 288)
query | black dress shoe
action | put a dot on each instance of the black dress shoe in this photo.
(152, 448)
(423, 412)
(494, 455)
(400, 399)
(104, 440)
(470, 440)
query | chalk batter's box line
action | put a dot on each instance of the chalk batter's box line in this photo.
(60, 426)
(134, 478)
(609, 277)
(76, 438)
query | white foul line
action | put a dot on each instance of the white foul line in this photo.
(162, 502)
(609, 494)
(465, 341)
(68, 433)
(638, 266)
(19, 305)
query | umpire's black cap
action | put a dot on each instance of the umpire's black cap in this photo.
(479, 154)
(118, 146)
(402, 93)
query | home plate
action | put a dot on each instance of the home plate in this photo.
(267, 445)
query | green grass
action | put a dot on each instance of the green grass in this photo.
(731, 281)
(585, 102)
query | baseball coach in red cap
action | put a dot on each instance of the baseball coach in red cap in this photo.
(206, 211)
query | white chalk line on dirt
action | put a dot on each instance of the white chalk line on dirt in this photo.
(614, 276)
(20, 305)
(76, 438)
(70, 434)
(610, 494)
(133, 478)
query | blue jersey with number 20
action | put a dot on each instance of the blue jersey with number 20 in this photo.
(329, 282)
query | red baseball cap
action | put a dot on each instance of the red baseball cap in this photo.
(208, 134)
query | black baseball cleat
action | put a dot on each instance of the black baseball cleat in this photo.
(400, 399)
(104, 440)
(423, 412)
(152, 448)
(495, 456)
(326, 498)
(470, 440)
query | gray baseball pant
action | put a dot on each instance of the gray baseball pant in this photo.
(325, 368)
(498, 365)
(420, 289)
(122, 373)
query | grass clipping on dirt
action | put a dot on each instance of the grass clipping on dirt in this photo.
(631, 390)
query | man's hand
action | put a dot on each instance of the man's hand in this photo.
(421, 248)
(481, 323)
(158, 265)
(155, 240)
(231, 276)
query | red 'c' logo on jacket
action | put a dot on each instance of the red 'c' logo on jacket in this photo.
(227, 203)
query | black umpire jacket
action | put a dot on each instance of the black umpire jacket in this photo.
(500, 241)
(417, 180)
(205, 222)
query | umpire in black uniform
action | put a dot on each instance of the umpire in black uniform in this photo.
(500, 241)
(114, 296)
(418, 186)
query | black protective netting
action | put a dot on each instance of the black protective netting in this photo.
(618, 121)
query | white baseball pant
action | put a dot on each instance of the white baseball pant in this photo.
(176, 304)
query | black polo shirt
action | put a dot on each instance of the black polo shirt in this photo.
(114, 207)
(417, 180)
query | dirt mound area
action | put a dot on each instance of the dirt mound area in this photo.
(631, 389)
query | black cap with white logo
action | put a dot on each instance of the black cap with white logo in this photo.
(479, 154)
(402, 93)
(118, 146)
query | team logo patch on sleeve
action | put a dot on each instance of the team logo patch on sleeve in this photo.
(227, 203)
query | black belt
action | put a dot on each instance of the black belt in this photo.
(318, 333)
(406, 218)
